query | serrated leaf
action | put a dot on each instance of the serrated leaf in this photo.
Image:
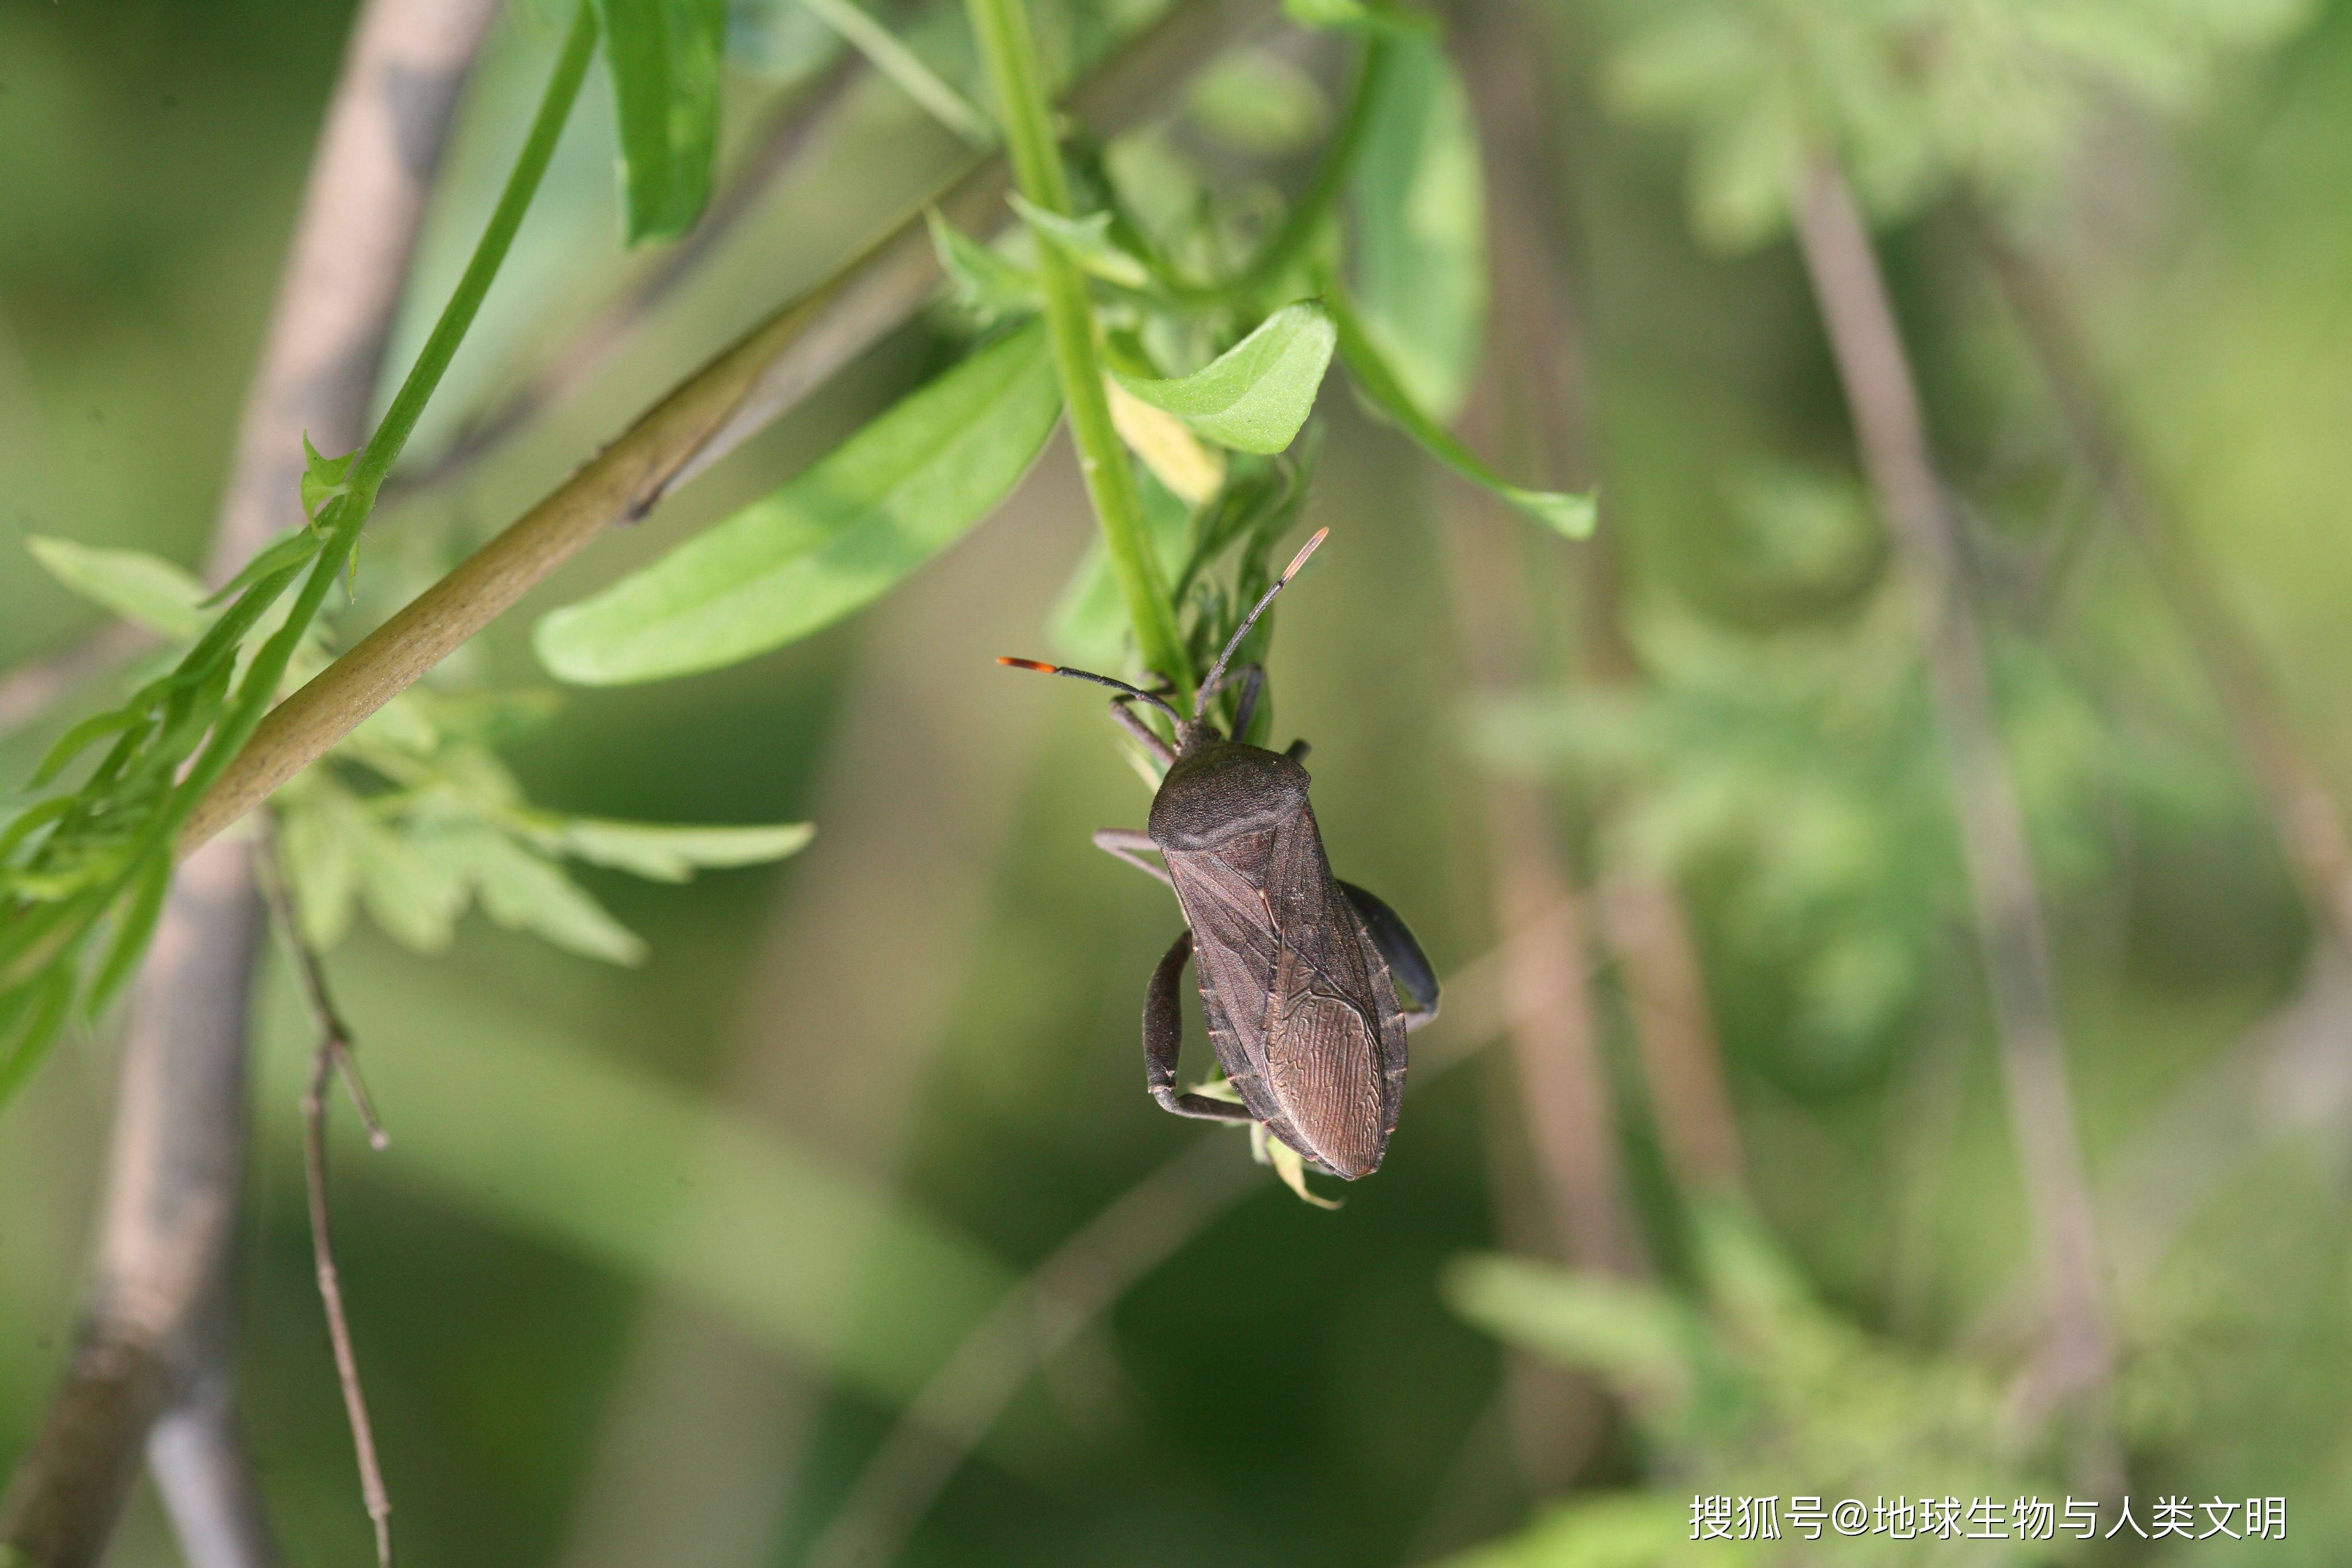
(1417, 200)
(1086, 241)
(840, 535)
(318, 834)
(983, 281)
(1563, 511)
(413, 895)
(138, 586)
(1256, 395)
(663, 56)
(671, 853)
(520, 890)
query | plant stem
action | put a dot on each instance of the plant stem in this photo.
(1003, 29)
(709, 414)
(2078, 1360)
(375, 459)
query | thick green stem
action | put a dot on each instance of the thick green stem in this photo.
(1003, 28)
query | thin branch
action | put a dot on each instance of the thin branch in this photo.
(2012, 929)
(331, 1060)
(2305, 814)
(1075, 1285)
(795, 124)
(157, 1341)
(707, 415)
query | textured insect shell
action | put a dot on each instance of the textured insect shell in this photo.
(1300, 1007)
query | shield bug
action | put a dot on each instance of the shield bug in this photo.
(1299, 973)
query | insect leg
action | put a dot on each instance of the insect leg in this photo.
(1127, 843)
(1297, 751)
(1407, 963)
(1123, 709)
(1163, 1041)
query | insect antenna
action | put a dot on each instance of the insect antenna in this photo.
(1217, 671)
(1044, 669)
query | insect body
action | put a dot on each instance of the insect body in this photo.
(1299, 973)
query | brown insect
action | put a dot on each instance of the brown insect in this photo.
(1300, 974)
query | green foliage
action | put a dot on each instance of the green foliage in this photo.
(1562, 512)
(1417, 213)
(984, 283)
(98, 857)
(1256, 395)
(1913, 97)
(663, 57)
(903, 488)
(1752, 1385)
(143, 589)
(414, 819)
(1258, 102)
(1797, 775)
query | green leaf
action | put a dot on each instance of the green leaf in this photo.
(96, 727)
(1418, 203)
(1255, 396)
(1637, 1338)
(668, 853)
(663, 56)
(137, 586)
(1562, 512)
(134, 923)
(1259, 101)
(519, 889)
(983, 281)
(292, 548)
(831, 540)
(1357, 13)
(414, 896)
(320, 830)
(323, 478)
(1086, 241)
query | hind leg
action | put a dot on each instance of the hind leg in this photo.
(1127, 843)
(1163, 1041)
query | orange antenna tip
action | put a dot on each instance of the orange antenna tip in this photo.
(1305, 551)
(1026, 664)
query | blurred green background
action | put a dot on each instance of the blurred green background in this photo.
(659, 1255)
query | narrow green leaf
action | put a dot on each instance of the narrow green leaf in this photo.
(831, 540)
(663, 56)
(670, 853)
(1417, 201)
(134, 923)
(293, 548)
(1562, 512)
(413, 892)
(1255, 396)
(132, 583)
(983, 282)
(1086, 241)
(95, 728)
(31, 1017)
